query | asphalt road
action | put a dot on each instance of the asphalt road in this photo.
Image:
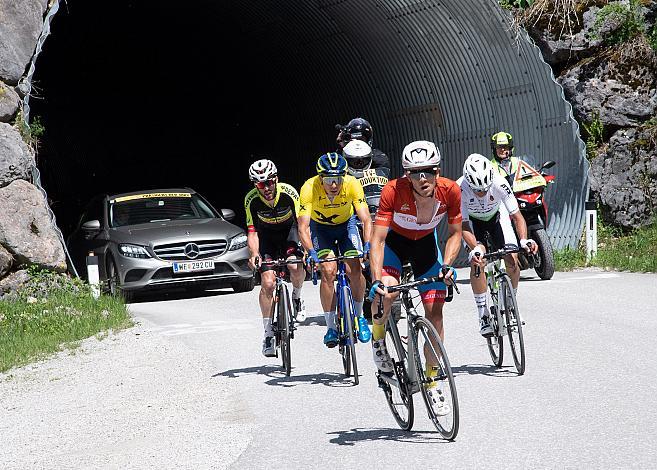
(587, 398)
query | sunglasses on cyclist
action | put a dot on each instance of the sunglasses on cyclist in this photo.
(332, 179)
(265, 184)
(426, 173)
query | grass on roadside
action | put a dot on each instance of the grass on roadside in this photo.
(633, 251)
(39, 321)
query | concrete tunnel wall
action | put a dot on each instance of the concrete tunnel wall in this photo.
(451, 71)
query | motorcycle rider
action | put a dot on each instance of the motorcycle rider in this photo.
(503, 160)
(360, 129)
(487, 206)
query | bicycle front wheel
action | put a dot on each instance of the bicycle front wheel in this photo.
(513, 325)
(436, 379)
(400, 399)
(495, 343)
(284, 315)
(347, 337)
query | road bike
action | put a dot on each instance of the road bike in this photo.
(420, 364)
(504, 316)
(282, 313)
(346, 321)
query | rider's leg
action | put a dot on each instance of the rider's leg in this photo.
(513, 269)
(266, 297)
(297, 276)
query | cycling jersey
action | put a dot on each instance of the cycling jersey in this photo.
(397, 208)
(495, 232)
(280, 216)
(315, 203)
(485, 208)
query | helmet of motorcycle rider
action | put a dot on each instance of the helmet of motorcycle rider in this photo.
(420, 154)
(331, 164)
(478, 172)
(501, 139)
(262, 170)
(357, 129)
(358, 155)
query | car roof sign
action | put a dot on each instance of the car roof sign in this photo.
(148, 196)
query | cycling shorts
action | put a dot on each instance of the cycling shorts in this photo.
(275, 244)
(425, 258)
(345, 235)
(498, 231)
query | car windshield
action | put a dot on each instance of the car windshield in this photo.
(162, 207)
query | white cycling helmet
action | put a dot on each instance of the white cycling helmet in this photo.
(262, 170)
(420, 154)
(478, 172)
(358, 155)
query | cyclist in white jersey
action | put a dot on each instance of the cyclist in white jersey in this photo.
(487, 206)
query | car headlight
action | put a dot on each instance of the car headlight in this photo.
(133, 251)
(237, 242)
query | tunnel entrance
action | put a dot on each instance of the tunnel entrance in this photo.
(141, 95)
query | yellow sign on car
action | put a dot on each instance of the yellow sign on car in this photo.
(149, 196)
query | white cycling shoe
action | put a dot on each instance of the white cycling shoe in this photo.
(381, 356)
(269, 346)
(440, 406)
(299, 309)
(485, 328)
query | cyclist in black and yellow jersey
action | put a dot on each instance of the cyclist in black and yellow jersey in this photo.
(327, 204)
(271, 218)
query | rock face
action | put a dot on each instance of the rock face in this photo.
(20, 25)
(6, 260)
(13, 282)
(9, 100)
(16, 158)
(614, 85)
(625, 177)
(26, 230)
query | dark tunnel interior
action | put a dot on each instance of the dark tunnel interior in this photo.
(141, 95)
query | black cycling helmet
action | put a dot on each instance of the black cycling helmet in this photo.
(501, 139)
(358, 128)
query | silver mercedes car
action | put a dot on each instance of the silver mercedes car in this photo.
(161, 239)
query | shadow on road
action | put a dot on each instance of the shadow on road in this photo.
(178, 294)
(278, 377)
(484, 369)
(352, 436)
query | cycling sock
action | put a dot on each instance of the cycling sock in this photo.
(359, 308)
(480, 300)
(269, 331)
(378, 331)
(330, 320)
(296, 292)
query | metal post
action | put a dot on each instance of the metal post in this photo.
(93, 274)
(591, 230)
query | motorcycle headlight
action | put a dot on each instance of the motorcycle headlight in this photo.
(133, 251)
(237, 242)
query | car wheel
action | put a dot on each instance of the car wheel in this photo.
(114, 282)
(243, 285)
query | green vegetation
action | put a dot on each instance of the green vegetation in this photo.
(53, 312)
(633, 251)
(628, 20)
(594, 129)
(31, 133)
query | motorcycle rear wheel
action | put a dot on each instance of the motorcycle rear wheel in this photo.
(544, 264)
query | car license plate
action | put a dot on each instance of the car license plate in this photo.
(193, 266)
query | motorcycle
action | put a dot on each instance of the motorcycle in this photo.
(529, 186)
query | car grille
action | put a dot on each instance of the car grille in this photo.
(167, 273)
(176, 251)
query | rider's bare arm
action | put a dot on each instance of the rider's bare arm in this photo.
(363, 214)
(521, 225)
(304, 232)
(377, 243)
(253, 243)
(453, 245)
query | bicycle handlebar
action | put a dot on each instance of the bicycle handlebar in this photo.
(329, 260)
(427, 280)
(495, 255)
(276, 263)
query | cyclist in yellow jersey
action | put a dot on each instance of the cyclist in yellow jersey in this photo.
(326, 204)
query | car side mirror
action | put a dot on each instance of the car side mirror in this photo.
(91, 226)
(548, 164)
(228, 214)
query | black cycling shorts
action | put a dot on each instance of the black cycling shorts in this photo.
(275, 244)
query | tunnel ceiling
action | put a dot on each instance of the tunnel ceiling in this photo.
(138, 95)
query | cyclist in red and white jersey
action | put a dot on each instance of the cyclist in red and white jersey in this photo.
(410, 209)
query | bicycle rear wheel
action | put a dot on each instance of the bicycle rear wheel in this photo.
(400, 399)
(347, 337)
(284, 316)
(513, 325)
(436, 379)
